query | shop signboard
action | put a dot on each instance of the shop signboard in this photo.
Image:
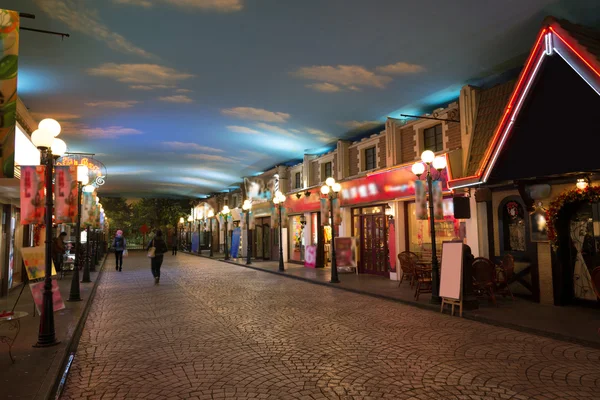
(310, 257)
(390, 185)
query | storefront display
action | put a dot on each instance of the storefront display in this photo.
(419, 235)
(297, 240)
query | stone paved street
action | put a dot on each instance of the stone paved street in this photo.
(212, 330)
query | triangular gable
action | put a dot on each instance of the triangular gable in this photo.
(578, 46)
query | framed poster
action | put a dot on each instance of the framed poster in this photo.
(538, 226)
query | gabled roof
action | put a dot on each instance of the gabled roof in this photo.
(577, 45)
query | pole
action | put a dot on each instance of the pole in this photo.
(47, 334)
(88, 259)
(93, 251)
(435, 286)
(226, 234)
(249, 239)
(281, 267)
(210, 254)
(334, 272)
(75, 293)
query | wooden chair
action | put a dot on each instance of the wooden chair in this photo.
(596, 281)
(424, 281)
(507, 270)
(408, 263)
(484, 278)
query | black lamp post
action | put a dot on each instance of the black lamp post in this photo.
(82, 179)
(278, 202)
(247, 206)
(189, 234)
(225, 212)
(210, 216)
(439, 163)
(331, 189)
(45, 140)
(180, 240)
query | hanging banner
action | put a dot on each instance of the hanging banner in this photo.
(438, 196)
(9, 56)
(275, 217)
(87, 202)
(33, 194)
(243, 219)
(324, 212)
(337, 212)
(420, 200)
(65, 195)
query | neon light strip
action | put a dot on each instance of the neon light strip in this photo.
(577, 70)
(575, 51)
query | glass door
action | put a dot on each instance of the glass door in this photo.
(373, 240)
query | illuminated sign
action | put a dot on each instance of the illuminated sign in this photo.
(96, 170)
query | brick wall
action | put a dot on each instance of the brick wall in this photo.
(316, 173)
(409, 141)
(353, 156)
(453, 135)
(382, 152)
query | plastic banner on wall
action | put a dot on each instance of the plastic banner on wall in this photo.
(9, 57)
(33, 194)
(420, 200)
(310, 257)
(65, 195)
(337, 212)
(438, 209)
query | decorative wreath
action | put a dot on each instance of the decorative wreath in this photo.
(590, 194)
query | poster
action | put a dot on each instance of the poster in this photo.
(235, 242)
(310, 257)
(420, 200)
(37, 291)
(65, 194)
(345, 252)
(9, 57)
(34, 259)
(438, 209)
(33, 195)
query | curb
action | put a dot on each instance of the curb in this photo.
(430, 307)
(62, 374)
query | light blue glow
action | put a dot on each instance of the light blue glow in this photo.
(35, 81)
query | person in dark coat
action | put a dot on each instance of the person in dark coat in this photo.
(119, 245)
(161, 248)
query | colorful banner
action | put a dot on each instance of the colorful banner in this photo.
(88, 200)
(324, 212)
(34, 259)
(9, 57)
(337, 212)
(420, 200)
(258, 190)
(33, 194)
(310, 257)
(275, 217)
(438, 196)
(345, 252)
(37, 291)
(65, 195)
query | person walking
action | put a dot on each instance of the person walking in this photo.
(58, 250)
(174, 242)
(120, 245)
(160, 248)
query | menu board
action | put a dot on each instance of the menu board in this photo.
(451, 270)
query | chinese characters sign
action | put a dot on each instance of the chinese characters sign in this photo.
(33, 195)
(65, 195)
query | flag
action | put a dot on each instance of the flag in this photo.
(420, 200)
(33, 196)
(65, 194)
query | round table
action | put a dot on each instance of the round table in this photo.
(13, 323)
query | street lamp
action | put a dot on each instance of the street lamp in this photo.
(278, 202)
(82, 179)
(247, 206)
(439, 163)
(225, 212)
(189, 240)
(331, 190)
(181, 223)
(210, 216)
(86, 266)
(44, 139)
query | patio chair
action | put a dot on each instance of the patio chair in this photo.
(506, 272)
(596, 281)
(484, 278)
(408, 263)
(424, 281)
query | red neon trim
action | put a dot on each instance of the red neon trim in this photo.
(511, 102)
(586, 62)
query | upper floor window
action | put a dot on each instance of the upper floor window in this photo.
(370, 159)
(297, 181)
(433, 138)
(326, 171)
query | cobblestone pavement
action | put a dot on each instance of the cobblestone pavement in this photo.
(212, 330)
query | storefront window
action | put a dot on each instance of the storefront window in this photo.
(446, 230)
(297, 244)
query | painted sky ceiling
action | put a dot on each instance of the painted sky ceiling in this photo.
(183, 97)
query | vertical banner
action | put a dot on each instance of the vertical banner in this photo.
(324, 212)
(9, 57)
(337, 212)
(65, 194)
(438, 209)
(33, 195)
(87, 200)
(310, 257)
(420, 200)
